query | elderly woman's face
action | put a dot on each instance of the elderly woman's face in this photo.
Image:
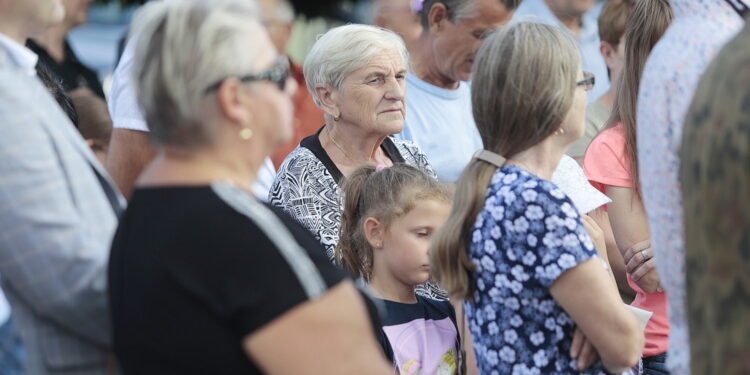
(372, 97)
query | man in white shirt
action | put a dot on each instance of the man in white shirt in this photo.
(438, 102)
(579, 18)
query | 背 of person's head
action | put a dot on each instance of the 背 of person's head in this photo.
(539, 106)
(569, 8)
(211, 83)
(612, 22)
(76, 12)
(278, 18)
(453, 32)
(20, 20)
(400, 17)
(356, 75)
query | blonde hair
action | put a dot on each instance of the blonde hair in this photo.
(524, 81)
(648, 22)
(385, 195)
(184, 47)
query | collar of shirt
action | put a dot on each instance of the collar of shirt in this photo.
(22, 56)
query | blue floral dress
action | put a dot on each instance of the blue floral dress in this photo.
(525, 237)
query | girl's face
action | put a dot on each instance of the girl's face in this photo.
(406, 243)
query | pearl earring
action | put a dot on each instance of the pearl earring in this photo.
(246, 134)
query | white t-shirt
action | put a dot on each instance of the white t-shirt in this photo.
(126, 114)
(441, 123)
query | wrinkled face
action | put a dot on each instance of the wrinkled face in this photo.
(372, 97)
(398, 16)
(76, 11)
(574, 121)
(570, 8)
(406, 244)
(456, 44)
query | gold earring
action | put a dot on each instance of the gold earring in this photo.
(246, 134)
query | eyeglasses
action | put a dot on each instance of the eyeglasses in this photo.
(277, 74)
(587, 82)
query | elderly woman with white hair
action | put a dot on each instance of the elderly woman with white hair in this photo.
(204, 279)
(356, 74)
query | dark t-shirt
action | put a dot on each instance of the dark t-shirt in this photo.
(71, 72)
(193, 270)
(420, 337)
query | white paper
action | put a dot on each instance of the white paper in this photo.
(569, 177)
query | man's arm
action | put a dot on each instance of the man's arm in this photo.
(129, 153)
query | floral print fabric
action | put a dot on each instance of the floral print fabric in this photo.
(715, 189)
(526, 236)
(698, 30)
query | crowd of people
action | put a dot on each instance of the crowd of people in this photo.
(462, 187)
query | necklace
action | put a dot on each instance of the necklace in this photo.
(330, 135)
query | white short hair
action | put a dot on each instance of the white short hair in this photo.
(344, 49)
(182, 48)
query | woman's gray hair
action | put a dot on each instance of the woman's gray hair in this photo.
(184, 47)
(344, 49)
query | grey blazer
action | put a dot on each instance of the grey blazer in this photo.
(58, 214)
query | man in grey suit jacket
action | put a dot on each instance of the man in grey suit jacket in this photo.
(58, 212)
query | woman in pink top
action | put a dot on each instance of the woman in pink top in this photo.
(611, 165)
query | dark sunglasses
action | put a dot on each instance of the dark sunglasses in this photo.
(587, 82)
(277, 74)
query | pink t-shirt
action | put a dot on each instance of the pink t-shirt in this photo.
(607, 164)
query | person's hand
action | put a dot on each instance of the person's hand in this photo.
(596, 233)
(582, 351)
(637, 255)
(647, 278)
(641, 266)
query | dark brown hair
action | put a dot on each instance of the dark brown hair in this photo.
(648, 22)
(613, 20)
(384, 195)
(524, 81)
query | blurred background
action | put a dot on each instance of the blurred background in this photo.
(98, 42)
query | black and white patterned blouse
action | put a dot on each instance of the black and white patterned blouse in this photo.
(307, 187)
